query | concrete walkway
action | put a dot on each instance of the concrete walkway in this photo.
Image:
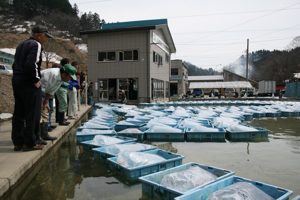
(16, 165)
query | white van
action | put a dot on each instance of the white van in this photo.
(229, 92)
(5, 69)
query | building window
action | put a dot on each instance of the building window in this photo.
(157, 89)
(157, 58)
(103, 89)
(167, 89)
(128, 55)
(174, 71)
(106, 56)
(167, 58)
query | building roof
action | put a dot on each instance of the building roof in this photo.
(137, 25)
(206, 78)
(231, 84)
(10, 51)
(225, 70)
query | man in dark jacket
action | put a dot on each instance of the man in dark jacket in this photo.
(27, 90)
(90, 93)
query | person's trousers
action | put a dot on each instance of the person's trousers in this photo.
(62, 94)
(89, 99)
(72, 109)
(50, 103)
(44, 113)
(27, 113)
(56, 108)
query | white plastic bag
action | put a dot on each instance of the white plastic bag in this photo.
(164, 129)
(240, 128)
(102, 140)
(95, 132)
(187, 179)
(118, 148)
(240, 191)
(135, 159)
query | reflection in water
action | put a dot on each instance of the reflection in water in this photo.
(248, 151)
(167, 146)
(72, 173)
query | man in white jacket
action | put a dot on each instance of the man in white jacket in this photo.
(51, 80)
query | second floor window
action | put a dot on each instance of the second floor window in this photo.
(107, 56)
(128, 55)
(174, 71)
(157, 58)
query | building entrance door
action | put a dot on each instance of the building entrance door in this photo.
(112, 90)
(174, 89)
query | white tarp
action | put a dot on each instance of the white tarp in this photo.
(232, 84)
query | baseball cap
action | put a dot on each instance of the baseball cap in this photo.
(70, 70)
(41, 29)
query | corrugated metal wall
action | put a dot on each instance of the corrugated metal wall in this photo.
(293, 90)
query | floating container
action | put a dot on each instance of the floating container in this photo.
(98, 127)
(272, 114)
(248, 116)
(125, 125)
(101, 154)
(132, 132)
(206, 136)
(261, 133)
(132, 174)
(165, 136)
(203, 193)
(258, 115)
(152, 188)
(85, 137)
(296, 198)
(287, 113)
(88, 145)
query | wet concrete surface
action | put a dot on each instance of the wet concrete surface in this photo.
(72, 173)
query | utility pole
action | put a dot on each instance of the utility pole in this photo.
(247, 61)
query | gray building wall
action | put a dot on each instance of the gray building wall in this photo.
(144, 69)
(182, 74)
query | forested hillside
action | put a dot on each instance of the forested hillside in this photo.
(269, 65)
(58, 15)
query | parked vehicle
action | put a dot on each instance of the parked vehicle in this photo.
(266, 88)
(251, 92)
(5, 69)
(229, 92)
(216, 92)
(198, 93)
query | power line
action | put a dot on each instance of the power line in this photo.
(244, 22)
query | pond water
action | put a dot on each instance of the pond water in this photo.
(72, 173)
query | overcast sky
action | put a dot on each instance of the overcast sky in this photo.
(210, 33)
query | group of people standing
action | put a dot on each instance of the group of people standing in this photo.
(35, 89)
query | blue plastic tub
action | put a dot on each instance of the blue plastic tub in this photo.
(296, 198)
(127, 133)
(287, 113)
(86, 137)
(87, 145)
(120, 127)
(109, 127)
(132, 174)
(152, 188)
(205, 136)
(101, 154)
(261, 133)
(164, 136)
(203, 193)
